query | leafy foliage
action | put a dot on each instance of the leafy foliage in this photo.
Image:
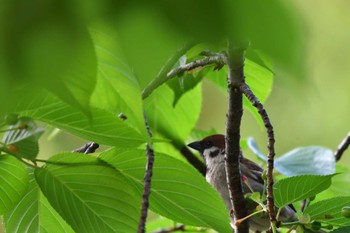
(298, 188)
(329, 211)
(82, 67)
(14, 182)
(178, 191)
(112, 207)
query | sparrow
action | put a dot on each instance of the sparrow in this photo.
(212, 148)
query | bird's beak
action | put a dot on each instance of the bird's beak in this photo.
(196, 145)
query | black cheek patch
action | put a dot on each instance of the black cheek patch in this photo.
(214, 153)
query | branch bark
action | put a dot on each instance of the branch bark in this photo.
(235, 64)
(244, 88)
(146, 182)
(342, 147)
(146, 189)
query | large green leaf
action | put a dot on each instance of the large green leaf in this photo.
(306, 160)
(174, 122)
(296, 188)
(22, 138)
(14, 182)
(329, 211)
(90, 195)
(178, 191)
(102, 127)
(50, 48)
(34, 214)
(117, 88)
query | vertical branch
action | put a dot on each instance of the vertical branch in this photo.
(146, 182)
(270, 146)
(235, 64)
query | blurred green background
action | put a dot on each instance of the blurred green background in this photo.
(305, 112)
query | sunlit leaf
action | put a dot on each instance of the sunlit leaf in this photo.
(34, 214)
(296, 188)
(178, 191)
(117, 89)
(89, 195)
(176, 122)
(102, 127)
(14, 182)
(329, 211)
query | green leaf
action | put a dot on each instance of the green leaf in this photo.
(341, 230)
(34, 213)
(306, 160)
(22, 138)
(14, 182)
(89, 195)
(329, 211)
(117, 89)
(258, 78)
(175, 123)
(178, 191)
(48, 48)
(102, 127)
(180, 85)
(296, 188)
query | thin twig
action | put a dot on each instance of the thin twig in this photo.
(146, 182)
(217, 59)
(193, 160)
(235, 64)
(342, 147)
(271, 149)
(162, 75)
(180, 227)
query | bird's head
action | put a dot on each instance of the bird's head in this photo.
(212, 148)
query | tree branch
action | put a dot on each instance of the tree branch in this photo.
(342, 147)
(235, 64)
(88, 148)
(193, 160)
(146, 182)
(218, 59)
(162, 75)
(271, 150)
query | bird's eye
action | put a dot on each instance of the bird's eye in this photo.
(208, 144)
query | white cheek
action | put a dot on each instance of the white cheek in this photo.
(212, 161)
